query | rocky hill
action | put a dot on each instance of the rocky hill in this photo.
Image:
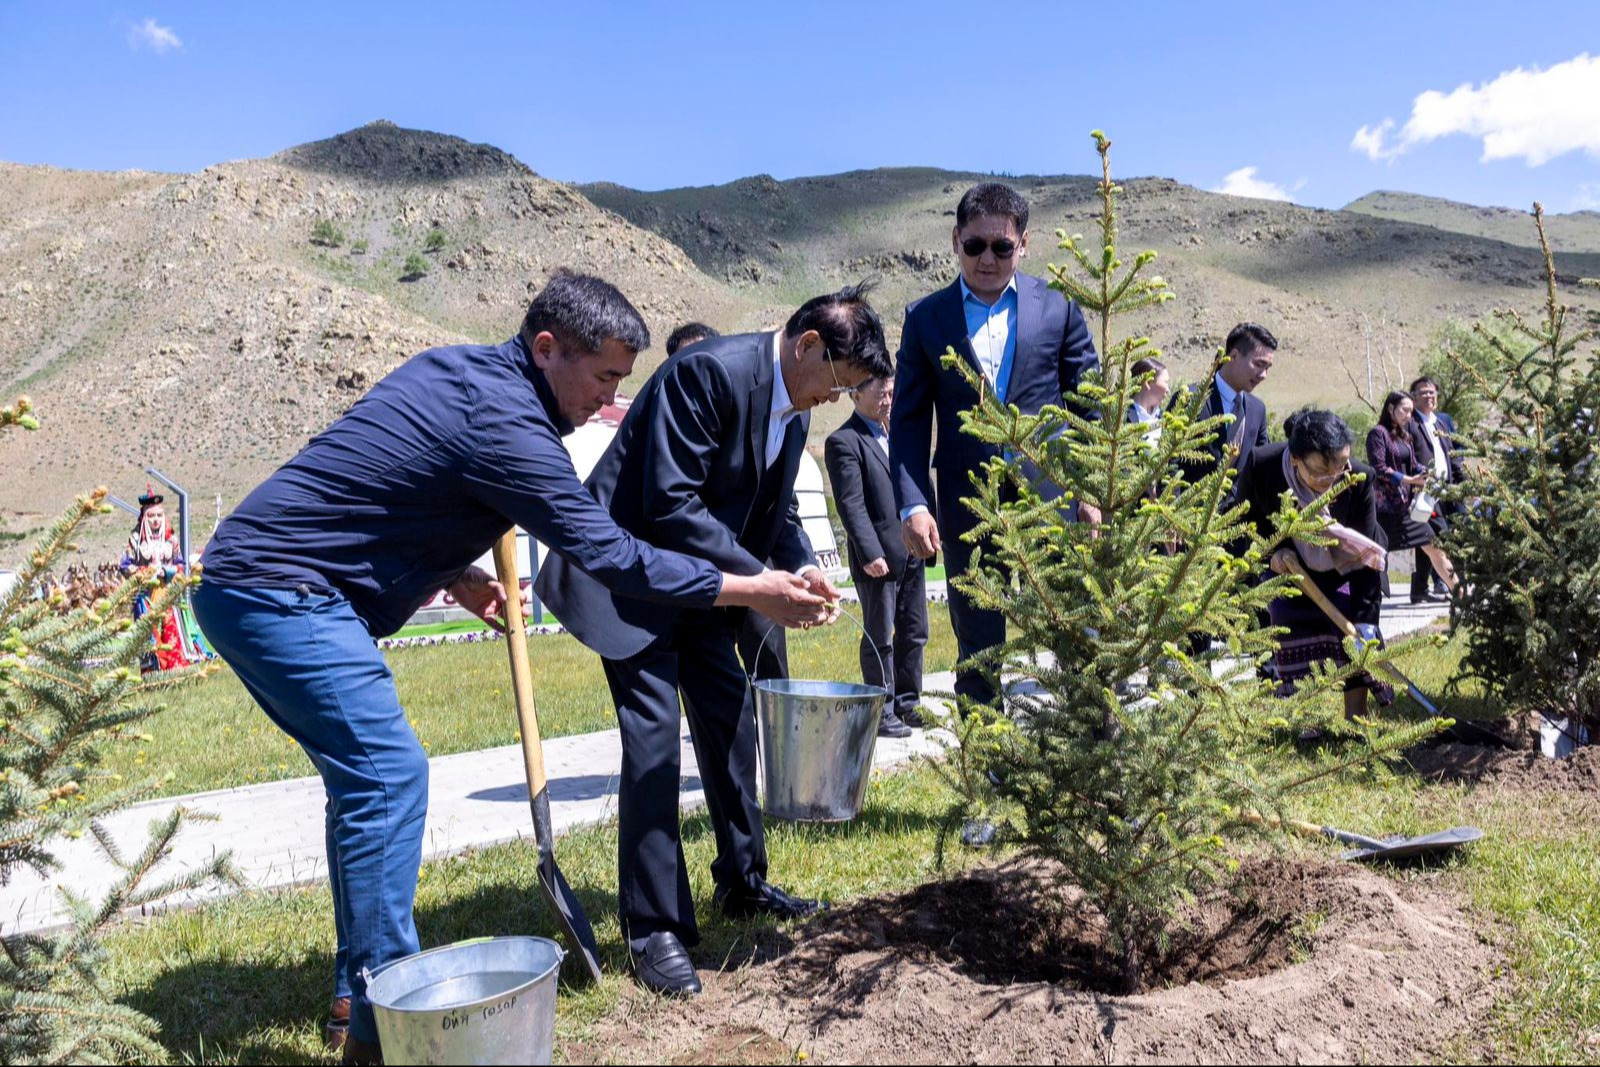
(210, 323)
(1330, 284)
(1578, 231)
(195, 322)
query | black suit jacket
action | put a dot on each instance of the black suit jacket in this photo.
(858, 469)
(1054, 350)
(687, 469)
(1261, 485)
(1445, 429)
(1254, 437)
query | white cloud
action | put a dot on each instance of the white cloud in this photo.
(1243, 182)
(159, 39)
(1529, 114)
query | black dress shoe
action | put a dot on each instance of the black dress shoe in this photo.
(338, 1026)
(745, 903)
(891, 726)
(664, 966)
(1431, 598)
(913, 718)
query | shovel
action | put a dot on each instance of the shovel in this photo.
(1466, 732)
(1371, 849)
(557, 893)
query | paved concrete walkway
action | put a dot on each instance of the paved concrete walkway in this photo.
(275, 830)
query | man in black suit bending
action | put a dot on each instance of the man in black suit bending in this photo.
(894, 605)
(705, 462)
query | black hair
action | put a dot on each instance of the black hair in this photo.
(1316, 431)
(689, 333)
(1246, 337)
(849, 327)
(993, 198)
(1145, 366)
(1424, 380)
(1385, 414)
(583, 313)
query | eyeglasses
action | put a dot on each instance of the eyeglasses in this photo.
(838, 386)
(1003, 247)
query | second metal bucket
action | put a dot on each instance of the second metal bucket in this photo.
(490, 1000)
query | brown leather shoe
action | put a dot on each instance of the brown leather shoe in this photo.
(338, 1027)
(362, 1052)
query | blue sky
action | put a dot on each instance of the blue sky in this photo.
(657, 95)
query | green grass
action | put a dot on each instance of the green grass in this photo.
(458, 698)
(246, 980)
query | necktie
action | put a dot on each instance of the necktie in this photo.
(1238, 420)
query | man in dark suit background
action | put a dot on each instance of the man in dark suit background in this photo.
(763, 646)
(1246, 360)
(890, 581)
(705, 461)
(1031, 346)
(1432, 439)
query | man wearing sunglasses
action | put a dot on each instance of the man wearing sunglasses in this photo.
(1031, 346)
(705, 462)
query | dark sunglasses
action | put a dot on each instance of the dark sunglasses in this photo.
(974, 246)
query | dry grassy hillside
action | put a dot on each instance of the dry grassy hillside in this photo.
(1324, 281)
(190, 321)
(1578, 231)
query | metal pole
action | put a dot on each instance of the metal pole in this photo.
(118, 502)
(183, 510)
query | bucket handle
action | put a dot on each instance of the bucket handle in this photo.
(882, 669)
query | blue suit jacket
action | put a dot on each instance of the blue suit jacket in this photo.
(685, 470)
(1053, 352)
(392, 501)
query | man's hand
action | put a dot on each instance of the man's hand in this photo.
(877, 568)
(818, 583)
(1285, 561)
(1090, 514)
(787, 599)
(484, 596)
(921, 535)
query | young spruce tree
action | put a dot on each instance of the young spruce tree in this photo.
(1124, 758)
(70, 685)
(1528, 540)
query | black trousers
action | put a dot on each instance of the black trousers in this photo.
(764, 647)
(894, 612)
(976, 629)
(698, 663)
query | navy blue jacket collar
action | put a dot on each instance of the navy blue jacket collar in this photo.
(541, 386)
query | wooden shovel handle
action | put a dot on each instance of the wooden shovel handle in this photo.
(1318, 597)
(505, 566)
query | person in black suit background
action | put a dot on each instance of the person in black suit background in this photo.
(763, 646)
(1315, 459)
(1247, 358)
(1030, 344)
(705, 461)
(1433, 440)
(890, 581)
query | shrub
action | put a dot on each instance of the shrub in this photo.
(414, 267)
(1528, 541)
(434, 242)
(359, 247)
(70, 685)
(326, 234)
(1457, 357)
(1132, 761)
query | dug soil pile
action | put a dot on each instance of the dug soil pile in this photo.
(1298, 962)
(1520, 767)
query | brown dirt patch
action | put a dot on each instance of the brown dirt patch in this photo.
(1521, 767)
(1297, 961)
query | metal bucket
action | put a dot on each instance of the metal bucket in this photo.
(1559, 738)
(817, 740)
(489, 1000)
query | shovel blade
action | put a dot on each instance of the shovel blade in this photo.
(569, 914)
(1404, 848)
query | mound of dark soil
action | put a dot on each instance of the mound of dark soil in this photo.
(1295, 962)
(1520, 767)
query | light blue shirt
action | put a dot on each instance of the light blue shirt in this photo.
(992, 329)
(1227, 393)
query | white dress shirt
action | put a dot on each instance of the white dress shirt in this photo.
(783, 411)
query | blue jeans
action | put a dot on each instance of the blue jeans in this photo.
(310, 663)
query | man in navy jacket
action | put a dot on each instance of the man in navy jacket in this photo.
(381, 510)
(1031, 346)
(704, 462)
